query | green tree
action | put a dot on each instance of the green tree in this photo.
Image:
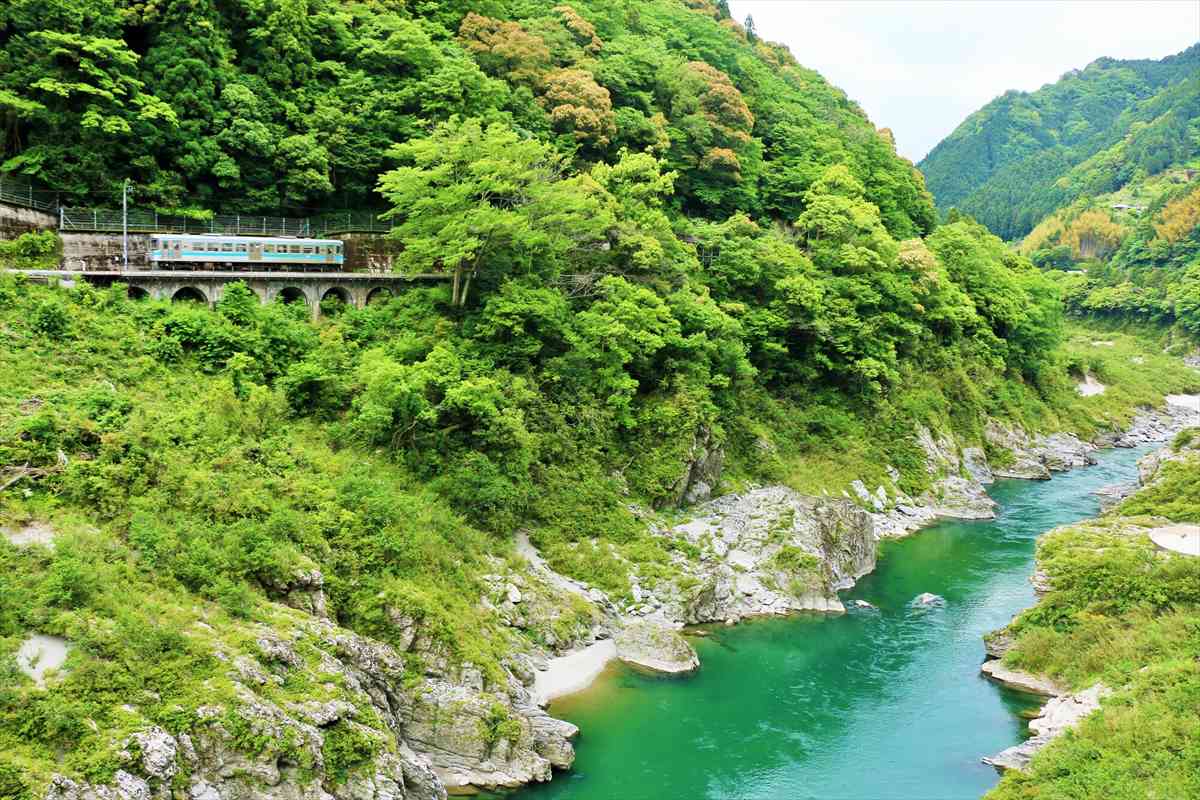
(470, 198)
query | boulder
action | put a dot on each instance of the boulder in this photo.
(701, 472)
(928, 600)
(655, 648)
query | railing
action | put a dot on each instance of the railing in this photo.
(350, 222)
(141, 221)
(23, 193)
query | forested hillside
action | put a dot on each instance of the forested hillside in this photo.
(1024, 155)
(681, 263)
(254, 105)
(1132, 254)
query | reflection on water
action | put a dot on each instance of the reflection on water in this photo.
(872, 705)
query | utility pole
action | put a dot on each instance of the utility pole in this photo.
(125, 223)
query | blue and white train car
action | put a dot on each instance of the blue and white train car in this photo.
(243, 252)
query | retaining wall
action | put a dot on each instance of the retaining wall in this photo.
(92, 251)
(15, 220)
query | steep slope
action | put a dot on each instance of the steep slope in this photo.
(1131, 254)
(282, 554)
(1023, 155)
(250, 106)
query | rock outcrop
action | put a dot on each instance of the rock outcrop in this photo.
(1154, 425)
(1020, 455)
(1054, 718)
(1021, 681)
(765, 551)
(655, 648)
(701, 472)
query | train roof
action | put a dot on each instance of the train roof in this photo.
(208, 237)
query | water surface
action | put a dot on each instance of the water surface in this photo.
(871, 705)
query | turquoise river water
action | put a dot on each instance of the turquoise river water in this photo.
(870, 705)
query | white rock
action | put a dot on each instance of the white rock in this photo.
(39, 654)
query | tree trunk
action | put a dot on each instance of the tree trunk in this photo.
(454, 290)
(462, 299)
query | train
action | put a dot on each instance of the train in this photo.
(172, 251)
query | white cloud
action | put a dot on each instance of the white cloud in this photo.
(920, 67)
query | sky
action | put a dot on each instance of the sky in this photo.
(921, 67)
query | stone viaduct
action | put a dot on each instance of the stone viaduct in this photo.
(356, 289)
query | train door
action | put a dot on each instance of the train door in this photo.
(256, 251)
(176, 253)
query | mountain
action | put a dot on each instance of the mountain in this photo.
(1024, 155)
(248, 554)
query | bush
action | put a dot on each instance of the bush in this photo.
(34, 250)
(51, 318)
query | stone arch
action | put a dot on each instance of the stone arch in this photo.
(291, 294)
(137, 293)
(189, 294)
(335, 300)
(340, 293)
(380, 294)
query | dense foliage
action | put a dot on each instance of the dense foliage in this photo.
(1130, 255)
(1024, 155)
(251, 105)
(663, 236)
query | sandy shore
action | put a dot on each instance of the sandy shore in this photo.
(573, 672)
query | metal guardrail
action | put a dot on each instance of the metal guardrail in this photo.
(141, 221)
(23, 193)
(332, 222)
(107, 220)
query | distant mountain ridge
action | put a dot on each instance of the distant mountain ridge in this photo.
(1024, 155)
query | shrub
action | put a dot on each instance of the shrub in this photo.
(51, 318)
(345, 748)
(34, 250)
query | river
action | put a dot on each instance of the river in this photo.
(870, 705)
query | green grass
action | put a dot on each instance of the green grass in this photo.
(1175, 495)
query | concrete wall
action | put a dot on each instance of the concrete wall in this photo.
(15, 220)
(369, 251)
(103, 251)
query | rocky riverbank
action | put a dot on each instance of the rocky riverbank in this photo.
(421, 721)
(1065, 709)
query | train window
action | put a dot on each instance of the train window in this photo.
(214, 247)
(226, 247)
(268, 248)
(308, 248)
(241, 247)
(154, 244)
(293, 248)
